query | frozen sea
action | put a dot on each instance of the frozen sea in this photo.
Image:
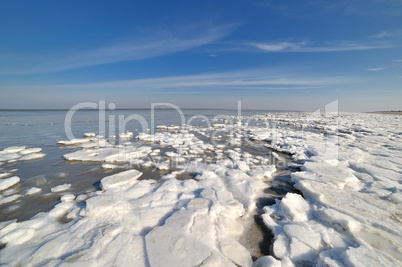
(200, 188)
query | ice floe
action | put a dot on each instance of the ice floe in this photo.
(126, 135)
(8, 182)
(20, 153)
(33, 191)
(109, 154)
(73, 142)
(122, 179)
(60, 188)
(6, 200)
(89, 134)
(67, 198)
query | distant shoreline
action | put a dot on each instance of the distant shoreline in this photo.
(392, 112)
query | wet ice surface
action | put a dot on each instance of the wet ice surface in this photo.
(176, 197)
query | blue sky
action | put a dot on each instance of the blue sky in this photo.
(289, 55)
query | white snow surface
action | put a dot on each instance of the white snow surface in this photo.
(351, 182)
(141, 222)
(349, 213)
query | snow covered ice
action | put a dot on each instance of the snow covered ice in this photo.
(8, 182)
(344, 211)
(351, 211)
(14, 154)
(60, 188)
(20, 153)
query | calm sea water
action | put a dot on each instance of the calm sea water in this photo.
(35, 128)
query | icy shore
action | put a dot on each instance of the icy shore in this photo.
(348, 213)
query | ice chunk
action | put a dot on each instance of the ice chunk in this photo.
(219, 125)
(166, 247)
(122, 179)
(74, 142)
(8, 182)
(235, 252)
(335, 217)
(295, 207)
(37, 180)
(33, 156)
(13, 154)
(81, 198)
(303, 234)
(5, 174)
(340, 177)
(9, 199)
(173, 128)
(10, 192)
(9, 156)
(111, 166)
(33, 191)
(30, 150)
(364, 256)
(67, 198)
(60, 188)
(89, 134)
(109, 207)
(155, 152)
(242, 165)
(110, 154)
(267, 261)
(171, 154)
(14, 149)
(61, 175)
(126, 135)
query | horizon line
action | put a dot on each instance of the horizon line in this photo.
(117, 109)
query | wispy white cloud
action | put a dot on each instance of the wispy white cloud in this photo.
(278, 47)
(390, 66)
(208, 83)
(306, 47)
(128, 50)
(387, 34)
(324, 7)
(377, 69)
